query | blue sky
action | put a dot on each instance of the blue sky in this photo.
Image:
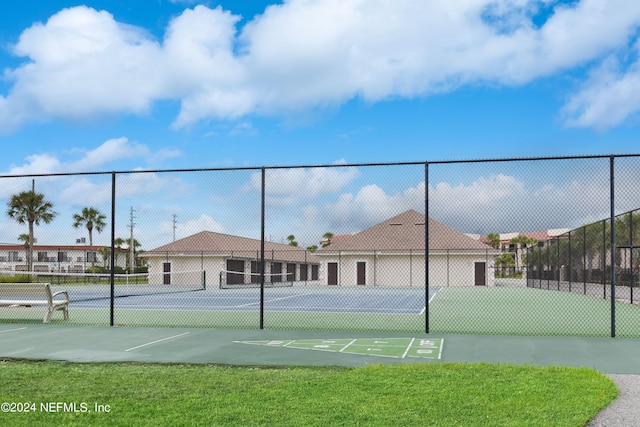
(159, 84)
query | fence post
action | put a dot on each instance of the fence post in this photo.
(558, 259)
(570, 262)
(631, 279)
(426, 246)
(113, 250)
(612, 225)
(584, 260)
(262, 234)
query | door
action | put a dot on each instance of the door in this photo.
(481, 274)
(332, 273)
(361, 278)
(166, 270)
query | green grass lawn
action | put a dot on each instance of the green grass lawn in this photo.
(400, 395)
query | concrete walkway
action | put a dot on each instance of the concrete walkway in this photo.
(612, 356)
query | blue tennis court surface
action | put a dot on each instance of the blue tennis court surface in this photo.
(302, 299)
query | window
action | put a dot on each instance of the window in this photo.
(276, 272)
(304, 272)
(291, 272)
(255, 271)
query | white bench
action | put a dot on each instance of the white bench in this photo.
(30, 294)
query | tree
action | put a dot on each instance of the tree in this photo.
(504, 262)
(494, 240)
(90, 218)
(292, 240)
(31, 208)
(136, 245)
(105, 251)
(312, 248)
(117, 243)
(327, 239)
(24, 238)
(521, 241)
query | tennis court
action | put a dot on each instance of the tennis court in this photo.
(500, 310)
(286, 299)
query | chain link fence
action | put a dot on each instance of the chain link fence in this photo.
(515, 246)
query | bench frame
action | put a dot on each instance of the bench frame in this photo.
(30, 294)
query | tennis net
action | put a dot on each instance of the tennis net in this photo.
(95, 286)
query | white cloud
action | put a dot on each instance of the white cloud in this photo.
(108, 152)
(202, 223)
(82, 63)
(288, 186)
(497, 203)
(304, 54)
(608, 98)
(84, 160)
(165, 230)
(370, 205)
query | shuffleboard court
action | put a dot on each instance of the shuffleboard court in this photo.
(303, 299)
(398, 348)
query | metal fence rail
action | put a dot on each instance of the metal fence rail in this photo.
(534, 246)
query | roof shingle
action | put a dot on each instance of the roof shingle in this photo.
(406, 232)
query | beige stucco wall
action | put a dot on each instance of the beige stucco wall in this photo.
(408, 270)
(185, 268)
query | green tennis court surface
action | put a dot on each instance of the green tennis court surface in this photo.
(399, 348)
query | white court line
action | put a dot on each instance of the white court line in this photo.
(441, 346)
(345, 347)
(275, 299)
(430, 299)
(408, 347)
(11, 330)
(156, 341)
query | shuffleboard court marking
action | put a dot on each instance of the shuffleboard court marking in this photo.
(157, 341)
(408, 347)
(396, 348)
(13, 330)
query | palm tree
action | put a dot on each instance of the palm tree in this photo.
(505, 261)
(327, 239)
(136, 245)
(24, 238)
(105, 251)
(292, 240)
(31, 208)
(494, 240)
(91, 218)
(117, 243)
(521, 241)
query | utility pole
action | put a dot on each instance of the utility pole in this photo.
(131, 247)
(174, 226)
